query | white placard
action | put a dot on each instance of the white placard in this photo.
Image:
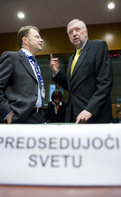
(61, 155)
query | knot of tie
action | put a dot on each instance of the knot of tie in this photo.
(78, 51)
(33, 58)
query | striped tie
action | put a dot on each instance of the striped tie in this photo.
(74, 61)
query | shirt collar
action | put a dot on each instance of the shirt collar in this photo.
(59, 103)
(83, 44)
(26, 51)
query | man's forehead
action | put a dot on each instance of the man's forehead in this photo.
(33, 32)
(74, 25)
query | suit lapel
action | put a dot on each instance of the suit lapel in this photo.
(26, 64)
(69, 65)
(68, 71)
(80, 59)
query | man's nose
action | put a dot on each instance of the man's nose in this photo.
(74, 32)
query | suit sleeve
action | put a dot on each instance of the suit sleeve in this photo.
(6, 69)
(103, 77)
(61, 79)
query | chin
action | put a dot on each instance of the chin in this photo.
(39, 50)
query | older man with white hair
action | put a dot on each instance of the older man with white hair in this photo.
(89, 78)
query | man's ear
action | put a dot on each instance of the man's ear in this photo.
(25, 40)
(86, 31)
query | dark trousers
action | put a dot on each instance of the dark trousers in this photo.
(33, 118)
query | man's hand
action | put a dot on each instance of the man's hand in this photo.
(83, 117)
(54, 64)
(9, 118)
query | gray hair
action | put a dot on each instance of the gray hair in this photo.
(77, 20)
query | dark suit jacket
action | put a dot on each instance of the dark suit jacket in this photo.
(91, 83)
(18, 86)
(59, 117)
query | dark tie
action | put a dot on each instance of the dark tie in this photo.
(40, 79)
(35, 64)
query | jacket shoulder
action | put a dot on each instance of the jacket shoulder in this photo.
(11, 55)
(98, 42)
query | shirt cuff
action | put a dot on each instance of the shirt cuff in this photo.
(54, 74)
(7, 115)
